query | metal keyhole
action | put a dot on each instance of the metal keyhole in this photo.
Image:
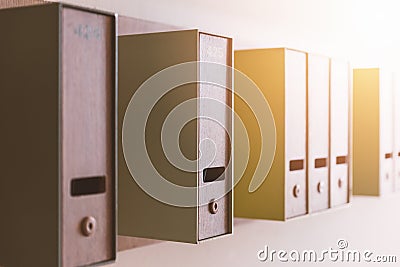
(213, 207)
(387, 176)
(296, 190)
(320, 187)
(88, 226)
(340, 183)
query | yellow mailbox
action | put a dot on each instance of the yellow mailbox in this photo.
(374, 153)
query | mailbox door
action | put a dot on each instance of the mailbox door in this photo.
(87, 138)
(215, 123)
(386, 155)
(318, 132)
(295, 133)
(396, 125)
(339, 133)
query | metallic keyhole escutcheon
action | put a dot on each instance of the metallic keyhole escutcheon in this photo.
(340, 182)
(88, 226)
(296, 190)
(213, 207)
(320, 187)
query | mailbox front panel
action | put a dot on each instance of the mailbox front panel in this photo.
(386, 153)
(339, 133)
(87, 93)
(396, 125)
(318, 132)
(213, 137)
(295, 133)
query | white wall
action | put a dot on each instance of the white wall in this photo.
(363, 31)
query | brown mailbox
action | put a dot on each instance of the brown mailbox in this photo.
(57, 111)
(140, 213)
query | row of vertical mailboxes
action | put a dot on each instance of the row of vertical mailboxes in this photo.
(309, 99)
(62, 139)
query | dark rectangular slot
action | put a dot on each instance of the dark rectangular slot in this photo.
(213, 174)
(88, 186)
(388, 155)
(295, 165)
(341, 160)
(321, 163)
(398, 154)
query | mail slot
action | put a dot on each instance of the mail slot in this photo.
(296, 165)
(320, 163)
(142, 56)
(58, 117)
(374, 147)
(213, 174)
(341, 160)
(88, 186)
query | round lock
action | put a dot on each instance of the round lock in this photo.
(387, 176)
(213, 207)
(340, 183)
(88, 226)
(296, 190)
(320, 187)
